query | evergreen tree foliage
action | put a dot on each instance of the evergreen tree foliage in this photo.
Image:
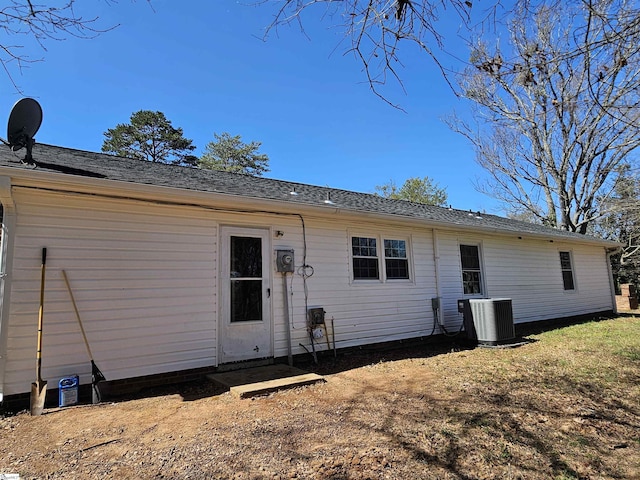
(415, 189)
(230, 154)
(149, 136)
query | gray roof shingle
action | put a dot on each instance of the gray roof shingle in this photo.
(97, 165)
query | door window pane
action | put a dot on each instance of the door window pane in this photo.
(246, 257)
(246, 300)
(246, 265)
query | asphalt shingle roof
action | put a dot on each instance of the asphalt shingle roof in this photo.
(97, 165)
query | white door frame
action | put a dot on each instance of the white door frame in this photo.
(244, 340)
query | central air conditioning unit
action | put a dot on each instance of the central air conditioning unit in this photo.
(489, 321)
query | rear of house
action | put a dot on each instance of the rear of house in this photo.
(181, 270)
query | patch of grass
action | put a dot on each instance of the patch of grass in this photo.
(505, 454)
(479, 420)
(630, 353)
(564, 407)
(448, 433)
(580, 441)
(574, 350)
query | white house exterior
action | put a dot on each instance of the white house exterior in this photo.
(174, 268)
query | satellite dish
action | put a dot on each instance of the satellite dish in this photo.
(24, 121)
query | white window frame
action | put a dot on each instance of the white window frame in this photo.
(572, 270)
(481, 270)
(384, 238)
(352, 257)
(381, 259)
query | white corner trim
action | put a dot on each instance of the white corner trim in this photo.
(6, 268)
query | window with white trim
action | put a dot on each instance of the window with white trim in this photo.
(369, 262)
(396, 263)
(471, 269)
(566, 265)
(365, 258)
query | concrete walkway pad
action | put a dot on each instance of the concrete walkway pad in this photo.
(260, 380)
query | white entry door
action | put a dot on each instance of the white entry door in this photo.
(245, 290)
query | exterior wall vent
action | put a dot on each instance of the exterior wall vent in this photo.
(491, 320)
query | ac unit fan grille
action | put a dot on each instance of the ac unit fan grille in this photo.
(493, 320)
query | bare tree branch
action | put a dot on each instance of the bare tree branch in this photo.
(553, 108)
(40, 22)
(377, 29)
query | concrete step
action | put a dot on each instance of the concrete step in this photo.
(261, 380)
(261, 388)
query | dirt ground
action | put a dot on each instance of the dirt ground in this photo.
(547, 409)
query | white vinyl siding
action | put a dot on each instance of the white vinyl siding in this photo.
(528, 272)
(143, 276)
(366, 312)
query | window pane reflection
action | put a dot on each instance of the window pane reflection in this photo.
(246, 257)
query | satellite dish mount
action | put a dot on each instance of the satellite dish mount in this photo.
(24, 121)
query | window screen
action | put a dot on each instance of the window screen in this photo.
(471, 272)
(567, 271)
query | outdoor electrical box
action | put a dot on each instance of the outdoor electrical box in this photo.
(435, 303)
(284, 261)
(462, 305)
(315, 316)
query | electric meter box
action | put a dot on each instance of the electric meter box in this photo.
(284, 261)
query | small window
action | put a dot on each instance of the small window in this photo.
(395, 259)
(471, 272)
(379, 258)
(567, 270)
(365, 258)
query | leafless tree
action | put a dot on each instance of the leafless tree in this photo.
(379, 31)
(375, 30)
(622, 224)
(556, 108)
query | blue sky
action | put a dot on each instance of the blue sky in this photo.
(206, 66)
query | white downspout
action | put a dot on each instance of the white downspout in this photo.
(6, 271)
(436, 264)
